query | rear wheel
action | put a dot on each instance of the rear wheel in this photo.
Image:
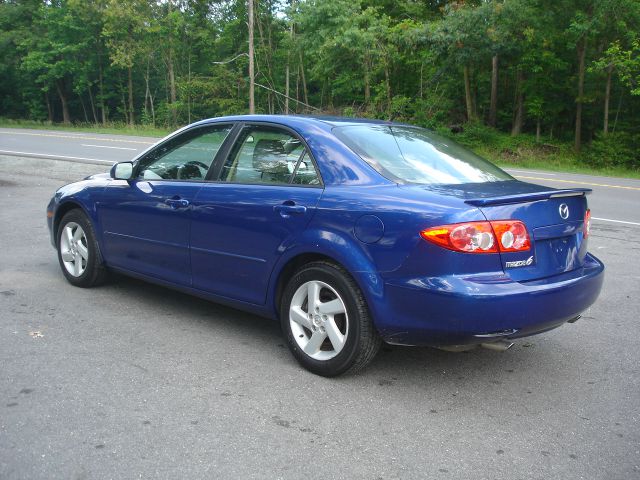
(78, 252)
(326, 321)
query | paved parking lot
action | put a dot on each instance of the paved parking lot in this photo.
(132, 380)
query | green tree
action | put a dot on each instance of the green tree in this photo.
(126, 22)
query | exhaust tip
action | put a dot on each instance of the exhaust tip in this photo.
(574, 319)
(499, 346)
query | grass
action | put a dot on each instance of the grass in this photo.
(500, 148)
(112, 128)
(563, 161)
(523, 151)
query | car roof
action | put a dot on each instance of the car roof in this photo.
(288, 119)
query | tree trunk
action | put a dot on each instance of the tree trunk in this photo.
(387, 84)
(607, 97)
(582, 49)
(49, 107)
(367, 81)
(172, 76)
(538, 130)
(264, 36)
(493, 107)
(84, 109)
(172, 88)
(286, 91)
(467, 93)
(286, 88)
(124, 103)
(297, 88)
(518, 112)
(153, 111)
(63, 100)
(93, 106)
(252, 102)
(146, 90)
(101, 90)
(189, 90)
(615, 119)
(304, 81)
(131, 114)
(100, 97)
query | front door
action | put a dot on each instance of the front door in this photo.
(266, 194)
(145, 221)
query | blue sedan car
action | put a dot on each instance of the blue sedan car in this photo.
(349, 232)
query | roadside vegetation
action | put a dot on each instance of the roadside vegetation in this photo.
(141, 130)
(549, 84)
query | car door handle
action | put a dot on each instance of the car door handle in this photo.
(177, 202)
(289, 208)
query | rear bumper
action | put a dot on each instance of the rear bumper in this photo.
(459, 310)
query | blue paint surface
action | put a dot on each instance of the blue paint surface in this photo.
(232, 242)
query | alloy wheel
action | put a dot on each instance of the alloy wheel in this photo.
(74, 249)
(318, 319)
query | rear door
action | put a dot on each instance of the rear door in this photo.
(555, 221)
(266, 192)
(146, 220)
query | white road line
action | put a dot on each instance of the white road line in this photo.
(576, 182)
(32, 154)
(530, 171)
(615, 221)
(106, 146)
(81, 136)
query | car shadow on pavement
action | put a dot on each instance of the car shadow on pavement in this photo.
(391, 364)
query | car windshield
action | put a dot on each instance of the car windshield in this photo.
(415, 155)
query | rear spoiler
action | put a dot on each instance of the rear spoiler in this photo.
(528, 197)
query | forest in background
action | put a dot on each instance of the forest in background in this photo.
(513, 79)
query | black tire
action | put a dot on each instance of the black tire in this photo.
(93, 271)
(361, 340)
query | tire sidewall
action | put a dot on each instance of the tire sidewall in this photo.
(87, 277)
(335, 278)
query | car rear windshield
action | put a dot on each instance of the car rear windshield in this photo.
(415, 155)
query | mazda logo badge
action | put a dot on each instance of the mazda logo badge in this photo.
(564, 211)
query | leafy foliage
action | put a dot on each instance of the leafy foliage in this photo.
(514, 64)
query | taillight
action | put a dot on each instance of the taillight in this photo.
(587, 223)
(512, 235)
(464, 237)
(480, 237)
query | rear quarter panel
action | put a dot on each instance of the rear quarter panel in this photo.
(400, 252)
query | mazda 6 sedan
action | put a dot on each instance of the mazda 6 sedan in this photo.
(349, 232)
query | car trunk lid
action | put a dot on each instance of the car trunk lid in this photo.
(555, 222)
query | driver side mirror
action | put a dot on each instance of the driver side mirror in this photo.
(122, 171)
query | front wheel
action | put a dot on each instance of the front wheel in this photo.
(78, 252)
(325, 319)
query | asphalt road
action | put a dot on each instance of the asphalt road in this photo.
(132, 380)
(613, 201)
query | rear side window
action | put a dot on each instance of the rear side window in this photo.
(271, 156)
(306, 173)
(416, 155)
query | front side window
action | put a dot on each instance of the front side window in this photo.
(269, 155)
(186, 157)
(416, 155)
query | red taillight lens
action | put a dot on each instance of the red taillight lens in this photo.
(480, 237)
(512, 235)
(587, 223)
(474, 237)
